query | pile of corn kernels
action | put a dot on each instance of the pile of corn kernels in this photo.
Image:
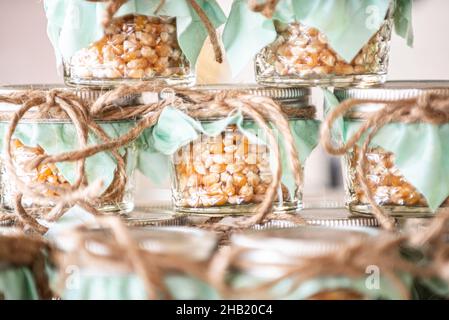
(223, 170)
(304, 52)
(385, 181)
(136, 47)
(44, 173)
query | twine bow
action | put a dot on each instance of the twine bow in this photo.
(430, 108)
(65, 106)
(349, 261)
(115, 5)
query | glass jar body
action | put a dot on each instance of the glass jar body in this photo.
(226, 174)
(112, 201)
(135, 48)
(302, 56)
(390, 189)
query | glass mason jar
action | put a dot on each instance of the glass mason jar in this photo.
(266, 256)
(134, 48)
(301, 55)
(390, 189)
(109, 274)
(228, 174)
(33, 129)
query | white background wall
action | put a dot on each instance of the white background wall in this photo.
(26, 56)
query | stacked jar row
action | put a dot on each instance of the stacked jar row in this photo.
(139, 47)
(230, 173)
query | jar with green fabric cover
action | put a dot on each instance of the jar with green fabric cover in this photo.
(224, 168)
(39, 134)
(174, 260)
(140, 41)
(301, 55)
(405, 160)
(325, 43)
(287, 264)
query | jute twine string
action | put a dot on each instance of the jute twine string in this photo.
(261, 109)
(266, 7)
(348, 261)
(115, 5)
(430, 108)
(22, 251)
(60, 105)
(122, 252)
(31, 100)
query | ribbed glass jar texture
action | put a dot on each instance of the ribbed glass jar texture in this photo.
(134, 48)
(301, 55)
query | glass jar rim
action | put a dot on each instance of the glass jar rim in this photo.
(87, 95)
(282, 94)
(394, 90)
(295, 101)
(390, 91)
(155, 217)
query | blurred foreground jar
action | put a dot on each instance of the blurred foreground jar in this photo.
(105, 44)
(406, 162)
(287, 264)
(39, 134)
(229, 172)
(22, 267)
(174, 260)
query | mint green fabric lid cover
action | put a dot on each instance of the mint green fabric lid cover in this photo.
(348, 25)
(75, 24)
(420, 149)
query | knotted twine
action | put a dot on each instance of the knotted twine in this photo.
(117, 104)
(431, 107)
(121, 252)
(115, 5)
(65, 106)
(21, 251)
(348, 261)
